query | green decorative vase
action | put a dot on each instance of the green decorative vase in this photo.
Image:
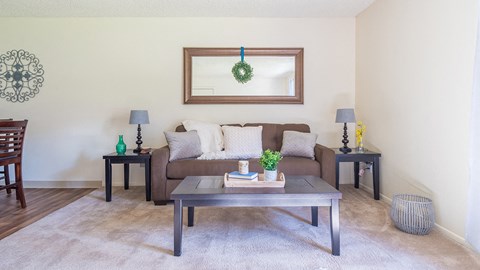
(121, 146)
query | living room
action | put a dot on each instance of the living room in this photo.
(406, 67)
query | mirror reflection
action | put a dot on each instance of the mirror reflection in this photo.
(272, 76)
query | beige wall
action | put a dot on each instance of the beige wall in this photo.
(97, 70)
(414, 74)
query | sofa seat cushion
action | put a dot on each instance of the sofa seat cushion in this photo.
(180, 169)
(299, 166)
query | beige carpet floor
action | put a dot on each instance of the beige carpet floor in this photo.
(130, 233)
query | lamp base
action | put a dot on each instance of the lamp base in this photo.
(139, 140)
(345, 149)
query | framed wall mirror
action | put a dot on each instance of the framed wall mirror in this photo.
(277, 76)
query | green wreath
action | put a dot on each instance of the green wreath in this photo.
(242, 72)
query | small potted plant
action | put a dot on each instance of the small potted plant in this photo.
(269, 162)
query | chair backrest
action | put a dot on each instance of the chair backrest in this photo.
(12, 134)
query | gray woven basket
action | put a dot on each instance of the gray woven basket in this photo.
(412, 213)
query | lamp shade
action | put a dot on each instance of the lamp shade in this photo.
(139, 117)
(345, 116)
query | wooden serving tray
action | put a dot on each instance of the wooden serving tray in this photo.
(261, 183)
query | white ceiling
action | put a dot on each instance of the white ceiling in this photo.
(182, 8)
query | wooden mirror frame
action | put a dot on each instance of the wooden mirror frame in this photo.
(188, 53)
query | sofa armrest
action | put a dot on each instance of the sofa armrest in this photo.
(160, 159)
(326, 157)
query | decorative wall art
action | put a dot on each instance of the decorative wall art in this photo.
(21, 76)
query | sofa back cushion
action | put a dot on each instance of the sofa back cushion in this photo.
(181, 128)
(272, 135)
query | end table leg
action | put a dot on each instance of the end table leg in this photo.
(335, 227)
(126, 175)
(177, 228)
(191, 211)
(108, 180)
(356, 170)
(148, 181)
(376, 178)
(315, 216)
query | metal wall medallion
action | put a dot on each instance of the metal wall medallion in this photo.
(21, 76)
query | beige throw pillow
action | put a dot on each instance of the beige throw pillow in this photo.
(242, 142)
(183, 144)
(298, 144)
(211, 137)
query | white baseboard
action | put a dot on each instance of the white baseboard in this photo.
(62, 184)
(441, 229)
(452, 235)
(370, 190)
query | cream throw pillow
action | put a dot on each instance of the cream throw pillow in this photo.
(211, 137)
(298, 144)
(242, 142)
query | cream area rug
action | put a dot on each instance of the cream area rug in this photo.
(130, 233)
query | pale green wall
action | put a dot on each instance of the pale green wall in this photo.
(414, 74)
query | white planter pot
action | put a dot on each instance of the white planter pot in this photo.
(270, 175)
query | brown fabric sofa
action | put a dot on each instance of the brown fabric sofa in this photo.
(167, 175)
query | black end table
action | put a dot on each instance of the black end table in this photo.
(357, 157)
(126, 159)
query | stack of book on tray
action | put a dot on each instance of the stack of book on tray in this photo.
(252, 176)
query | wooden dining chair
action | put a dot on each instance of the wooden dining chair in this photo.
(12, 134)
(4, 173)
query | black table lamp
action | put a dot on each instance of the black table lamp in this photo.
(139, 117)
(345, 116)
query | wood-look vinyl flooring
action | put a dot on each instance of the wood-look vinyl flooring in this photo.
(40, 202)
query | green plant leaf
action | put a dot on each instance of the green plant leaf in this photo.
(269, 159)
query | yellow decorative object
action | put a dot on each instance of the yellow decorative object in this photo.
(359, 132)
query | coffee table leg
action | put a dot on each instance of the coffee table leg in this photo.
(335, 227)
(191, 211)
(337, 174)
(315, 216)
(177, 228)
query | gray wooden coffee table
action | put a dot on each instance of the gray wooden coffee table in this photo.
(299, 191)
